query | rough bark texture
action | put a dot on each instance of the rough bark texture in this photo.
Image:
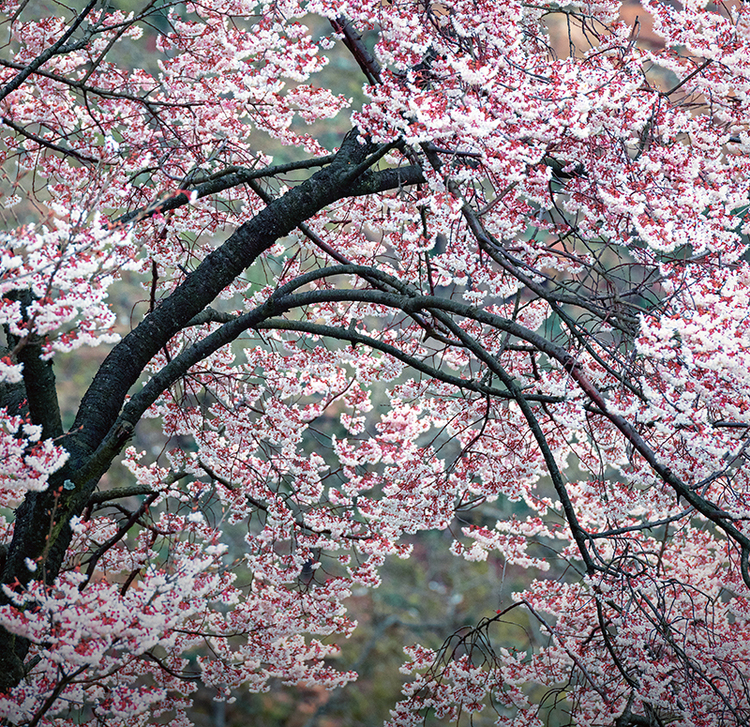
(42, 531)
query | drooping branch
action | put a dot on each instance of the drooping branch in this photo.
(437, 305)
(356, 338)
(720, 518)
(579, 534)
(556, 299)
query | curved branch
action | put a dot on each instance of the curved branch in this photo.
(100, 431)
(121, 533)
(55, 48)
(579, 534)
(121, 369)
(418, 302)
(212, 184)
(83, 158)
(283, 300)
(356, 338)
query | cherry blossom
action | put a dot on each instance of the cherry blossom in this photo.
(375, 269)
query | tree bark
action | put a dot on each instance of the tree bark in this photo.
(42, 532)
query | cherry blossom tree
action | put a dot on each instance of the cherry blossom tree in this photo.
(518, 274)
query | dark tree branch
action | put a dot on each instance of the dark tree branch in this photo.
(57, 47)
(98, 435)
(41, 393)
(83, 158)
(38, 376)
(356, 338)
(101, 403)
(213, 184)
(99, 498)
(119, 535)
(417, 302)
(579, 534)
(368, 183)
(102, 92)
(353, 41)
